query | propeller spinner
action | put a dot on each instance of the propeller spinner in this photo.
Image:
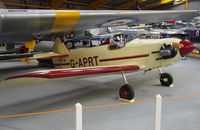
(185, 47)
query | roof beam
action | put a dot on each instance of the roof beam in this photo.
(34, 6)
(75, 3)
(86, 4)
(128, 5)
(157, 4)
(50, 7)
(168, 6)
(56, 3)
(97, 4)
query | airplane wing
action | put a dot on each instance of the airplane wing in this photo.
(30, 22)
(40, 76)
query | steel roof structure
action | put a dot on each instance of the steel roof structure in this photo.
(92, 4)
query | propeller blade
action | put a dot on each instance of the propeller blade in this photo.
(177, 45)
(195, 51)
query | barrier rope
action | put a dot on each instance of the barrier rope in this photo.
(93, 107)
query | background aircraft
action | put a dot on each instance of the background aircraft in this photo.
(32, 23)
(35, 24)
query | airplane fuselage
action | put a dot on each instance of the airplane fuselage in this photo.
(137, 52)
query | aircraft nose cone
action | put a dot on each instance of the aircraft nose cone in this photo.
(188, 47)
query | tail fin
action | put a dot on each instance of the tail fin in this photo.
(59, 50)
(60, 47)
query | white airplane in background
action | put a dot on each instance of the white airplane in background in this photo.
(24, 25)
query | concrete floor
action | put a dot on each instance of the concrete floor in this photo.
(177, 114)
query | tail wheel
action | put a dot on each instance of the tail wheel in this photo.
(126, 92)
(166, 79)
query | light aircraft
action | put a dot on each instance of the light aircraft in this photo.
(137, 55)
(190, 27)
(97, 60)
(158, 33)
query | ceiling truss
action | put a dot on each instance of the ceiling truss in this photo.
(129, 5)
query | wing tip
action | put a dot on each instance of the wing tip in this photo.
(22, 81)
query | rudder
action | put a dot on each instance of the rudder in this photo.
(60, 47)
(59, 50)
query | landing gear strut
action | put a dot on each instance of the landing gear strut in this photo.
(166, 79)
(126, 91)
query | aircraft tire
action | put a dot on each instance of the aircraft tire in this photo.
(126, 92)
(166, 79)
(71, 35)
(70, 44)
(85, 43)
(66, 35)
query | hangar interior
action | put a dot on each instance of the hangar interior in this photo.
(51, 105)
(95, 4)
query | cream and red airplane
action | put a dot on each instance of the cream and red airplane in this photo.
(22, 25)
(137, 55)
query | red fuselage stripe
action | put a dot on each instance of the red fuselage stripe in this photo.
(112, 59)
(76, 72)
(124, 58)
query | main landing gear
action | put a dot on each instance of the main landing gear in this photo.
(126, 91)
(166, 79)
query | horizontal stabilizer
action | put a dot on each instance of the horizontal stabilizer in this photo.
(15, 56)
(49, 55)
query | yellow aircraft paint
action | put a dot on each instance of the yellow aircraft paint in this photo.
(29, 45)
(65, 20)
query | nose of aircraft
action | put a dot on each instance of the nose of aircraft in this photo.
(187, 48)
(184, 47)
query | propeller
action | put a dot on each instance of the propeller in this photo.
(177, 45)
(185, 47)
